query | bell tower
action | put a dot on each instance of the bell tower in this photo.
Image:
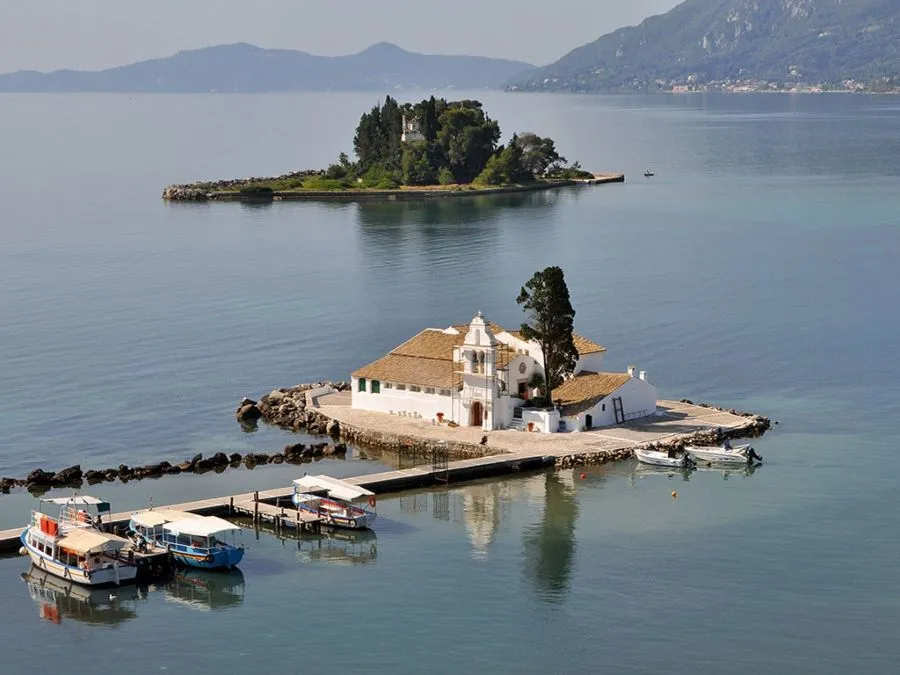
(478, 355)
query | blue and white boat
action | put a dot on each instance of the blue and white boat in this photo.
(337, 502)
(72, 547)
(206, 542)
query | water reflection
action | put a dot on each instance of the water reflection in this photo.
(684, 474)
(341, 547)
(206, 590)
(59, 600)
(549, 546)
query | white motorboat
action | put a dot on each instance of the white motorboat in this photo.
(71, 547)
(736, 455)
(659, 458)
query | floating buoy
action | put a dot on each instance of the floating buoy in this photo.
(583, 476)
(674, 494)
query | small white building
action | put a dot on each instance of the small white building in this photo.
(411, 130)
(481, 375)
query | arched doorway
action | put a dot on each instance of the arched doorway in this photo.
(476, 414)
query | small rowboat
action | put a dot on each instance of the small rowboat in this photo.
(658, 458)
(734, 456)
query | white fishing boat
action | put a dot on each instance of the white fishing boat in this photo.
(72, 547)
(337, 502)
(736, 455)
(659, 458)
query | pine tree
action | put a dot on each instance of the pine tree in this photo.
(550, 321)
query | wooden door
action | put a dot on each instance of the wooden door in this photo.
(619, 410)
(476, 414)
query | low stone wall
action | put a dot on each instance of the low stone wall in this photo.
(291, 408)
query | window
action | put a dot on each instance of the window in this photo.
(362, 384)
(388, 385)
(376, 387)
(429, 390)
(414, 387)
(401, 387)
(603, 408)
(445, 392)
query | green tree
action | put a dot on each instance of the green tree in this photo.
(468, 138)
(550, 321)
(416, 168)
(538, 154)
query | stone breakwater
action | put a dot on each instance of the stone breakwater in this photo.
(203, 191)
(293, 408)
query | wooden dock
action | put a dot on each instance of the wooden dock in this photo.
(266, 506)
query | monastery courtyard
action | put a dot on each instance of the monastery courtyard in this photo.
(672, 419)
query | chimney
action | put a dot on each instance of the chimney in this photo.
(631, 371)
(643, 375)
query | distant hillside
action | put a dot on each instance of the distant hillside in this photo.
(812, 41)
(245, 68)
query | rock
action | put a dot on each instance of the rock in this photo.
(249, 413)
(111, 474)
(69, 476)
(277, 459)
(234, 458)
(333, 428)
(219, 459)
(276, 396)
(173, 469)
(340, 448)
(7, 484)
(203, 465)
(93, 477)
(39, 477)
(246, 401)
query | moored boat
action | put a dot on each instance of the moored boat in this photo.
(736, 455)
(146, 527)
(72, 547)
(659, 458)
(207, 542)
(336, 501)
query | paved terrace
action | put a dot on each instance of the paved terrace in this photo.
(672, 419)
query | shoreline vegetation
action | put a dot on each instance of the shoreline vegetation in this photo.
(429, 149)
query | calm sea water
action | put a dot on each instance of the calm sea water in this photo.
(757, 269)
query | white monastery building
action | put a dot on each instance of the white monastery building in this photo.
(479, 375)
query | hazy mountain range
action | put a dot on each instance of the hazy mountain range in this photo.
(699, 41)
(814, 41)
(246, 68)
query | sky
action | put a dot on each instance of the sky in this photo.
(96, 34)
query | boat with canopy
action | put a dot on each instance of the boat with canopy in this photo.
(207, 542)
(72, 547)
(337, 502)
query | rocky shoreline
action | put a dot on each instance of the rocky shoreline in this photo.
(231, 191)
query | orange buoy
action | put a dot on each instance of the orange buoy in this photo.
(674, 494)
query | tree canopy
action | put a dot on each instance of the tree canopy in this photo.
(459, 144)
(550, 321)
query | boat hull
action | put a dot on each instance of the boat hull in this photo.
(737, 456)
(660, 458)
(359, 519)
(115, 574)
(218, 559)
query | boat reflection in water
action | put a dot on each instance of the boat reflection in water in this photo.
(59, 600)
(676, 473)
(344, 547)
(206, 590)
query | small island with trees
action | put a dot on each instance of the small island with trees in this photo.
(431, 148)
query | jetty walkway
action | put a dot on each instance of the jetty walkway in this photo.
(504, 452)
